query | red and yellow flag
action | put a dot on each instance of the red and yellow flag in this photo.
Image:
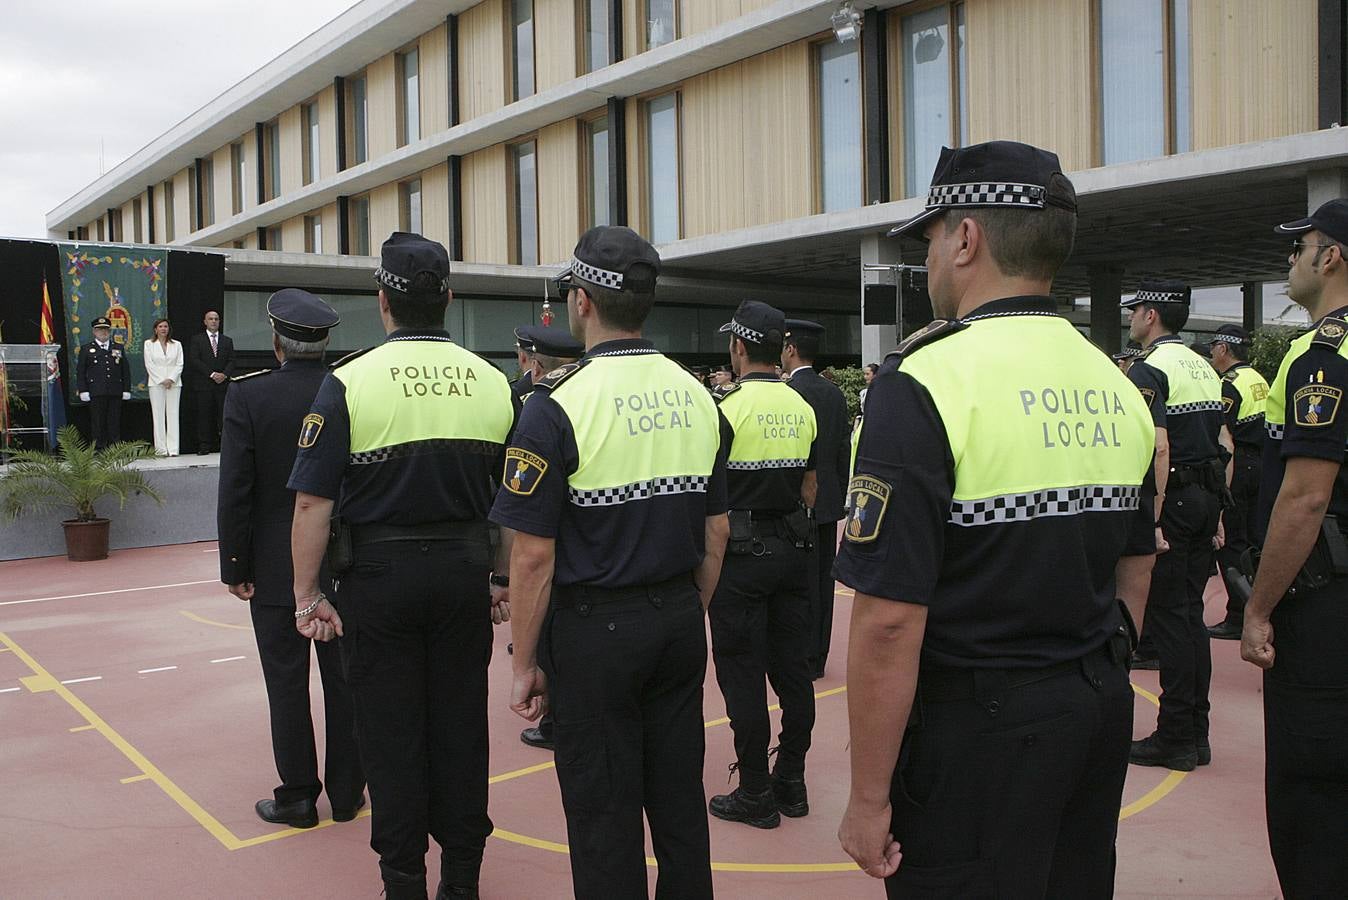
(48, 334)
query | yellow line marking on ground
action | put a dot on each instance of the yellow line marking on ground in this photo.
(78, 728)
(290, 832)
(4, 649)
(39, 683)
(1168, 784)
(520, 773)
(152, 587)
(204, 621)
(134, 778)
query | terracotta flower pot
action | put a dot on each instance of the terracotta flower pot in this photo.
(86, 541)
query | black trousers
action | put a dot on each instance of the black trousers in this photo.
(417, 642)
(821, 591)
(284, 653)
(105, 419)
(760, 626)
(1175, 615)
(1236, 523)
(625, 683)
(1306, 743)
(210, 415)
(1014, 792)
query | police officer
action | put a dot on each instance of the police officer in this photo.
(760, 616)
(1297, 638)
(615, 486)
(263, 414)
(1184, 395)
(103, 379)
(410, 435)
(1125, 357)
(799, 351)
(1244, 396)
(524, 357)
(999, 485)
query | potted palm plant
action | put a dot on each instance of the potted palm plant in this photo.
(78, 476)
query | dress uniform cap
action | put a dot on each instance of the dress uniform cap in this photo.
(613, 257)
(1156, 290)
(803, 326)
(300, 316)
(404, 256)
(993, 174)
(101, 322)
(757, 323)
(1230, 334)
(1131, 349)
(1331, 219)
(549, 341)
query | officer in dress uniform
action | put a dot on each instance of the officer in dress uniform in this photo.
(1125, 357)
(1297, 616)
(615, 486)
(410, 435)
(1184, 395)
(1244, 396)
(263, 414)
(799, 351)
(524, 356)
(103, 379)
(999, 435)
(760, 616)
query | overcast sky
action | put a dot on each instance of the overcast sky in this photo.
(102, 78)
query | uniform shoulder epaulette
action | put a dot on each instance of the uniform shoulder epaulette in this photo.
(349, 357)
(721, 391)
(247, 375)
(1145, 353)
(931, 333)
(551, 380)
(1230, 375)
(1331, 333)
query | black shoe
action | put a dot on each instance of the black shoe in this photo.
(300, 814)
(1204, 753)
(447, 891)
(1225, 631)
(346, 815)
(1149, 663)
(758, 810)
(792, 798)
(535, 737)
(1151, 752)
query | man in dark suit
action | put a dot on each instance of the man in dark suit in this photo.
(264, 414)
(103, 379)
(210, 360)
(799, 351)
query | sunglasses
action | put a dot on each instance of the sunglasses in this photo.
(1298, 246)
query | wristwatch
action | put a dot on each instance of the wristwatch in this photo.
(500, 580)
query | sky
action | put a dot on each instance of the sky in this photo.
(99, 79)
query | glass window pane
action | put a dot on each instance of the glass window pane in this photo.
(926, 95)
(526, 204)
(673, 329)
(840, 125)
(314, 142)
(273, 161)
(1183, 98)
(411, 97)
(596, 34)
(359, 212)
(598, 171)
(523, 22)
(412, 206)
(962, 62)
(659, 22)
(358, 114)
(662, 176)
(1132, 79)
(489, 325)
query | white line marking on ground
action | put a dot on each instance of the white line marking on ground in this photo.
(82, 680)
(216, 550)
(160, 669)
(9, 690)
(228, 659)
(152, 587)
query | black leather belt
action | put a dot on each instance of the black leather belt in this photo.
(572, 595)
(362, 535)
(944, 683)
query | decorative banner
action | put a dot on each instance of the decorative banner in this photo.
(125, 284)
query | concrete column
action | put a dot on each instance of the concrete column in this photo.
(877, 340)
(1106, 280)
(1252, 297)
(1324, 185)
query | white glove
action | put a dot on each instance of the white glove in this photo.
(126, 395)
(84, 395)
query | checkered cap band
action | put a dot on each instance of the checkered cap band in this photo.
(1068, 501)
(1198, 406)
(399, 283)
(754, 465)
(744, 332)
(640, 490)
(1160, 297)
(422, 448)
(1274, 430)
(595, 275)
(986, 193)
(1229, 339)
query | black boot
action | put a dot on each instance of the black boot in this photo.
(299, 814)
(403, 885)
(1151, 751)
(757, 809)
(792, 798)
(451, 892)
(1226, 631)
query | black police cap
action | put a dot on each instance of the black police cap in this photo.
(1331, 220)
(1157, 290)
(1230, 334)
(549, 341)
(757, 323)
(404, 256)
(100, 322)
(796, 327)
(1131, 349)
(300, 316)
(993, 174)
(612, 257)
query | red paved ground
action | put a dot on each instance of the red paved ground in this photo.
(70, 827)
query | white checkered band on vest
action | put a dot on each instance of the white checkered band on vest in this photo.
(640, 490)
(986, 193)
(595, 275)
(756, 464)
(399, 283)
(1067, 501)
(1160, 297)
(1248, 419)
(1197, 406)
(1274, 430)
(745, 332)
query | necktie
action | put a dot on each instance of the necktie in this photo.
(214, 349)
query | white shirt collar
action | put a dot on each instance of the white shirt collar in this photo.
(798, 369)
(102, 345)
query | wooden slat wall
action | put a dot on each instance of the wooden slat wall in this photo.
(636, 165)
(634, 27)
(486, 237)
(559, 190)
(381, 97)
(555, 42)
(747, 154)
(128, 217)
(250, 240)
(483, 60)
(292, 235)
(383, 214)
(433, 52)
(435, 203)
(700, 15)
(1254, 70)
(182, 210)
(292, 151)
(161, 235)
(329, 214)
(1010, 90)
(327, 133)
(894, 86)
(224, 187)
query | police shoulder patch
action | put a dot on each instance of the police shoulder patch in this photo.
(247, 375)
(721, 391)
(868, 497)
(1227, 403)
(523, 471)
(350, 356)
(1316, 405)
(551, 380)
(310, 429)
(1147, 394)
(1331, 333)
(929, 334)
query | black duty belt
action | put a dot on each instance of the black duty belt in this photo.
(943, 683)
(1210, 476)
(572, 595)
(362, 535)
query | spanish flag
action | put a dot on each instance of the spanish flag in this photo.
(56, 403)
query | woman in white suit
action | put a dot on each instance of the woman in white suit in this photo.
(163, 376)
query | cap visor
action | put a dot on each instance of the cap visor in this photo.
(1296, 227)
(1129, 303)
(913, 227)
(726, 327)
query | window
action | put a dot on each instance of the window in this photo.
(525, 189)
(409, 98)
(935, 93)
(313, 234)
(137, 226)
(271, 161)
(207, 192)
(238, 177)
(595, 53)
(409, 206)
(274, 237)
(1144, 78)
(522, 31)
(192, 220)
(169, 234)
(358, 215)
(99, 223)
(661, 22)
(662, 168)
(310, 141)
(358, 114)
(596, 170)
(840, 161)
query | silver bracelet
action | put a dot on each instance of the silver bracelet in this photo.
(309, 610)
